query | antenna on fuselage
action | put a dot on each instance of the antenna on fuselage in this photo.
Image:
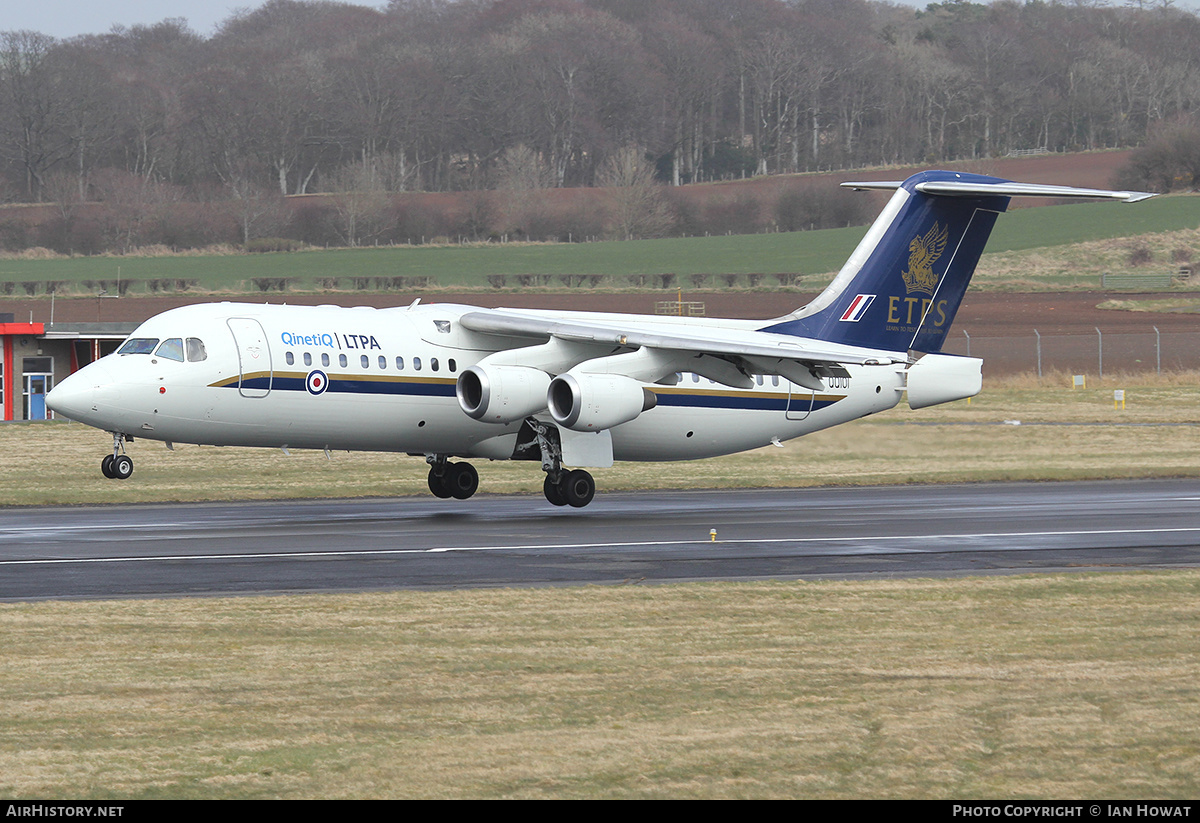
(414, 303)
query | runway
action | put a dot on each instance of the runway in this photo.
(629, 537)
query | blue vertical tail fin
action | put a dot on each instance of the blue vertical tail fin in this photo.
(902, 286)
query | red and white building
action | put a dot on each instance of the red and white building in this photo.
(35, 356)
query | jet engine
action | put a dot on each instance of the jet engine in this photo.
(501, 394)
(594, 402)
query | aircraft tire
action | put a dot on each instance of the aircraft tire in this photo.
(122, 467)
(579, 488)
(554, 492)
(438, 484)
(106, 467)
(462, 480)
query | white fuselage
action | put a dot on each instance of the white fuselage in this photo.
(369, 379)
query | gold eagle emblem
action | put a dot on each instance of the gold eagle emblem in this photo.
(924, 252)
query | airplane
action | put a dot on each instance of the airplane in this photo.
(571, 390)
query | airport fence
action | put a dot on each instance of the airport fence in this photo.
(1096, 353)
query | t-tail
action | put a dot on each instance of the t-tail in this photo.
(902, 286)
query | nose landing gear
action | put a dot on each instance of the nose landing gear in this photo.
(118, 465)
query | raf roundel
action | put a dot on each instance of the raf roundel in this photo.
(317, 382)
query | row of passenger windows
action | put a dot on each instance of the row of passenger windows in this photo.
(365, 361)
(758, 378)
(176, 348)
(173, 348)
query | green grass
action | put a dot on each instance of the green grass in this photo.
(977, 688)
(1031, 228)
(807, 253)
(957, 442)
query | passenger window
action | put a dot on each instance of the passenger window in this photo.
(695, 377)
(774, 380)
(290, 358)
(400, 363)
(366, 361)
(195, 350)
(171, 349)
(758, 379)
(417, 363)
(433, 363)
(382, 362)
(139, 345)
(342, 360)
(453, 365)
(325, 359)
(307, 359)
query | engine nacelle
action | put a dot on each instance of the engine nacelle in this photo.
(594, 402)
(502, 394)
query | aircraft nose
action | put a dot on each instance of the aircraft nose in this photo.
(76, 396)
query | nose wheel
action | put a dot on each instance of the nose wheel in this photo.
(118, 465)
(117, 468)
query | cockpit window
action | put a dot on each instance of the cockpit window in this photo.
(171, 349)
(195, 350)
(138, 345)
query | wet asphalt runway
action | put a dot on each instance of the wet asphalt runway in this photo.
(646, 537)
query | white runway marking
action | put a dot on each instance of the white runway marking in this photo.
(702, 541)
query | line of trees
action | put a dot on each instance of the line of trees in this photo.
(520, 95)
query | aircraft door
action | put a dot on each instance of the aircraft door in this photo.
(800, 402)
(254, 356)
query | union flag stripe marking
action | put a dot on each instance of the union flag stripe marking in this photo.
(858, 307)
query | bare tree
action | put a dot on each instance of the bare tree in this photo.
(32, 110)
(638, 205)
(362, 206)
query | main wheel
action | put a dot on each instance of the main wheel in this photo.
(438, 484)
(122, 467)
(106, 467)
(462, 480)
(554, 492)
(579, 488)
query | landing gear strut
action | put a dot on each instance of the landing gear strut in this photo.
(118, 465)
(446, 479)
(574, 488)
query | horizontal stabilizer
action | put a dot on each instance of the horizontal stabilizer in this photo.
(954, 188)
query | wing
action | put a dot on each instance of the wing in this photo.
(650, 350)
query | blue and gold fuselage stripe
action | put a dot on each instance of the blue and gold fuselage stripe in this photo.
(345, 384)
(746, 400)
(444, 387)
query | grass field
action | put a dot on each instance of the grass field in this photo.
(1069, 686)
(957, 442)
(1053, 686)
(811, 254)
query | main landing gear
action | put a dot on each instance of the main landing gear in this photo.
(563, 487)
(574, 488)
(118, 465)
(571, 488)
(446, 479)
